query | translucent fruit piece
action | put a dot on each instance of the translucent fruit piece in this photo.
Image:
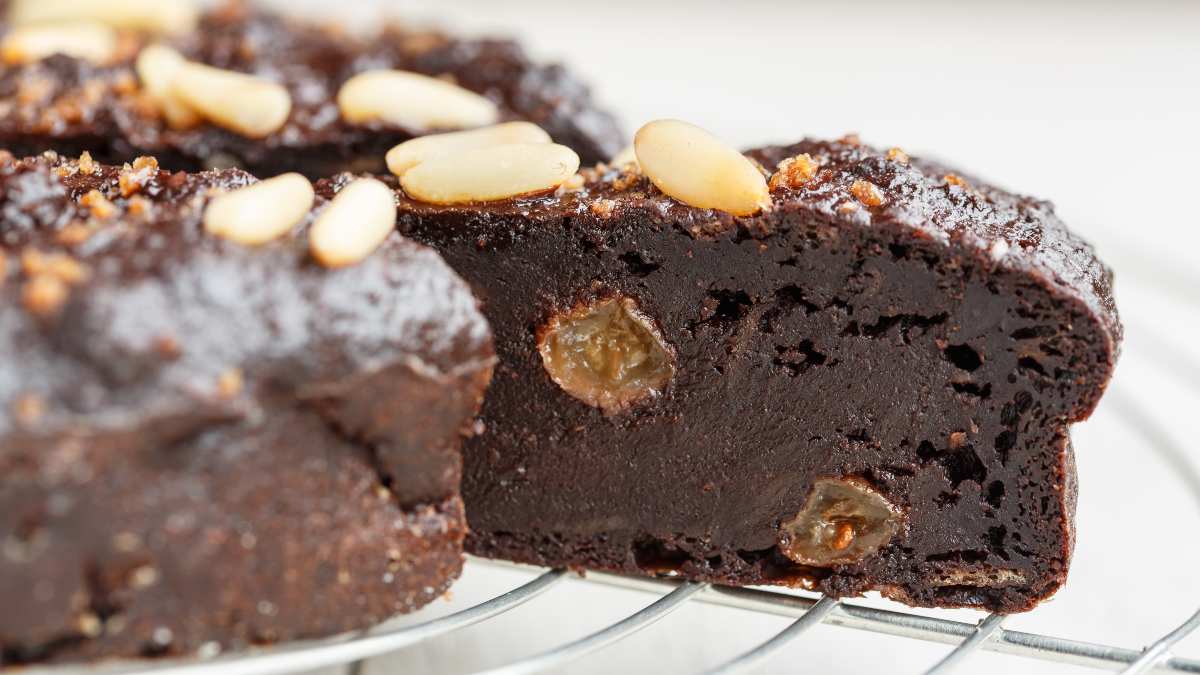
(606, 354)
(843, 521)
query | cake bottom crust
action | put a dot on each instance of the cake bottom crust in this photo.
(980, 587)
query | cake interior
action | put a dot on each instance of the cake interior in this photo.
(804, 352)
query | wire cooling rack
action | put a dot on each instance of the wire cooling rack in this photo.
(808, 610)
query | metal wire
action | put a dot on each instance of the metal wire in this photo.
(1157, 650)
(629, 625)
(815, 615)
(901, 624)
(983, 631)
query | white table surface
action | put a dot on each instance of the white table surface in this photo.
(1094, 105)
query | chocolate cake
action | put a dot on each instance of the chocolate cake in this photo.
(862, 382)
(205, 443)
(106, 99)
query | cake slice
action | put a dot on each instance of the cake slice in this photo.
(820, 365)
(272, 98)
(228, 414)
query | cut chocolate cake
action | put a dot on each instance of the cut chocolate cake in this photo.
(226, 416)
(276, 96)
(862, 381)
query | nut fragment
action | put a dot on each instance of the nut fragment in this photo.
(897, 155)
(157, 66)
(153, 16)
(843, 522)
(411, 153)
(354, 224)
(230, 383)
(44, 295)
(603, 208)
(606, 354)
(135, 177)
(87, 165)
(491, 174)
(693, 166)
(29, 409)
(794, 172)
(89, 41)
(415, 102)
(89, 625)
(867, 193)
(98, 204)
(248, 105)
(67, 269)
(74, 233)
(261, 212)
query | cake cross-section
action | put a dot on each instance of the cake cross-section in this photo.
(862, 381)
(230, 411)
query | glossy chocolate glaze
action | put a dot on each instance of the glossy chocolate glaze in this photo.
(206, 442)
(936, 346)
(69, 105)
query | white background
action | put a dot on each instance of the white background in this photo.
(1095, 106)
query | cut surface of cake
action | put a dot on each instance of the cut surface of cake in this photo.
(862, 382)
(230, 412)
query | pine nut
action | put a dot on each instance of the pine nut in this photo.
(248, 105)
(154, 16)
(411, 153)
(693, 166)
(261, 212)
(85, 40)
(412, 101)
(491, 174)
(157, 66)
(355, 223)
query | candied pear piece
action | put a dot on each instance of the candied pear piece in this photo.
(843, 522)
(606, 353)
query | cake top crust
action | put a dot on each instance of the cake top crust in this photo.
(841, 183)
(65, 100)
(120, 307)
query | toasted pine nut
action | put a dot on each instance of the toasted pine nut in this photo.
(87, 40)
(153, 16)
(693, 166)
(355, 223)
(491, 174)
(157, 66)
(261, 212)
(413, 101)
(411, 153)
